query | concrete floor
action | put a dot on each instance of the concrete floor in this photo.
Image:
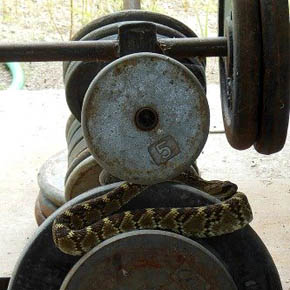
(32, 129)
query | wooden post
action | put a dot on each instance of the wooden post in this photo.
(132, 4)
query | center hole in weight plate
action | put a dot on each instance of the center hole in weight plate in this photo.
(146, 119)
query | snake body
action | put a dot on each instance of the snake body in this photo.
(83, 226)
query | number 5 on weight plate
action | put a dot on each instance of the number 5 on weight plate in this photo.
(164, 150)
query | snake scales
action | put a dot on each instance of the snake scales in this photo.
(81, 227)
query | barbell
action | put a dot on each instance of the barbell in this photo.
(253, 46)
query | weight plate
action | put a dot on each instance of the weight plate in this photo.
(106, 178)
(130, 260)
(46, 206)
(86, 71)
(69, 122)
(83, 177)
(135, 15)
(77, 81)
(240, 72)
(74, 127)
(110, 32)
(132, 15)
(39, 216)
(76, 161)
(81, 146)
(51, 178)
(274, 115)
(145, 118)
(199, 71)
(42, 266)
(76, 138)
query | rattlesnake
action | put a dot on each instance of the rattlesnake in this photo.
(81, 227)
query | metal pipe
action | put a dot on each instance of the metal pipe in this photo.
(188, 47)
(107, 50)
(59, 51)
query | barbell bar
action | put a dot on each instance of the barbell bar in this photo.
(106, 50)
(254, 56)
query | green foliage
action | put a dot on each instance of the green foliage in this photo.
(201, 10)
(77, 13)
(87, 10)
(5, 11)
(152, 5)
(84, 11)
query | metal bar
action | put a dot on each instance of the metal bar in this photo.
(107, 50)
(187, 47)
(132, 4)
(59, 51)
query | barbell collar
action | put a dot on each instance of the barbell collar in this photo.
(106, 50)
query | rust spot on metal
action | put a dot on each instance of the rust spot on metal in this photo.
(147, 263)
(180, 259)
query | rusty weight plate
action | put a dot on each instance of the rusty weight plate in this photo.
(42, 266)
(43, 208)
(240, 72)
(130, 260)
(132, 15)
(78, 74)
(72, 130)
(135, 15)
(51, 178)
(76, 161)
(77, 81)
(80, 147)
(76, 138)
(274, 114)
(145, 118)
(86, 71)
(47, 207)
(106, 178)
(38, 214)
(69, 122)
(199, 71)
(82, 178)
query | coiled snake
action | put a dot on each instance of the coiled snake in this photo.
(83, 226)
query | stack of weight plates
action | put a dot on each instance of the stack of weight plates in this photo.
(78, 75)
(75, 171)
(66, 174)
(82, 171)
(50, 181)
